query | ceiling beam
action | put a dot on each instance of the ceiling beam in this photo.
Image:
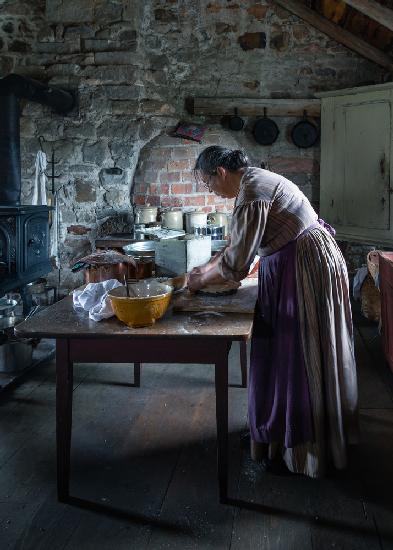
(337, 33)
(373, 10)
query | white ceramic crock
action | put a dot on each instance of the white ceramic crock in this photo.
(172, 219)
(145, 214)
(193, 219)
(219, 218)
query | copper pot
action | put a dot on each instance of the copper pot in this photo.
(142, 269)
(103, 272)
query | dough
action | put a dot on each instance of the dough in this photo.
(220, 289)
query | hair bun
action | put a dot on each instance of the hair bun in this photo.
(238, 158)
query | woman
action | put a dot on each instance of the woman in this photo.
(302, 387)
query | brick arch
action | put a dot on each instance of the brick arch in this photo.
(164, 178)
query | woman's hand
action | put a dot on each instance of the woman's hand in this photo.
(195, 279)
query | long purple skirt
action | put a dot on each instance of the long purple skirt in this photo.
(279, 400)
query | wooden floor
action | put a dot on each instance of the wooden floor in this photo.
(146, 457)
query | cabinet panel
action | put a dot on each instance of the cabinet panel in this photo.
(367, 164)
(356, 151)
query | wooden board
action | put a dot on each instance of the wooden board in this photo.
(247, 106)
(243, 301)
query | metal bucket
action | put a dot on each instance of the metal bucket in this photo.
(15, 355)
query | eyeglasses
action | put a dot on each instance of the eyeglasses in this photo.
(208, 183)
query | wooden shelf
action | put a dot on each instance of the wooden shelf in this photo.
(211, 106)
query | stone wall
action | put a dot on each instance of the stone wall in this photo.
(132, 64)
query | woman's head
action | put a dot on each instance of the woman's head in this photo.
(218, 168)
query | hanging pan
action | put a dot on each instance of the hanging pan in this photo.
(265, 130)
(305, 133)
(235, 122)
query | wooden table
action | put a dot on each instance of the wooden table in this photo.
(176, 338)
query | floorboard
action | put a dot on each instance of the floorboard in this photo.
(143, 466)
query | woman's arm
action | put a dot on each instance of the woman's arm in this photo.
(198, 278)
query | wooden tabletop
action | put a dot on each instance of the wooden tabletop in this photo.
(62, 321)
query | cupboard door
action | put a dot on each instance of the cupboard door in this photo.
(366, 164)
(356, 151)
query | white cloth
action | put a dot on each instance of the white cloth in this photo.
(55, 232)
(39, 191)
(94, 299)
(358, 280)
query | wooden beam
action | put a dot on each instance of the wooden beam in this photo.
(254, 107)
(337, 33)
(373, 10)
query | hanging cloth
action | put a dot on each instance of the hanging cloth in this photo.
(39, 192)
(55, 231)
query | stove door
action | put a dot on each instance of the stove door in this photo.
(7, 248)
(35, 231)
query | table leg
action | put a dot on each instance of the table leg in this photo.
(221, 383)
(64, 380)
(137, 375)
(243, 363)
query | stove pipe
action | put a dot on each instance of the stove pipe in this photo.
(12, 88)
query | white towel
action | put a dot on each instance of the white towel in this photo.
(39, 192)
(55, 232)
(94, 299)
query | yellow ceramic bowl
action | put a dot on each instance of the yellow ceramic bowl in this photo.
(148, 302)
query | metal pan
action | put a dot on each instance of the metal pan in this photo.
(305, 133)
(265, 130)
(235, 122)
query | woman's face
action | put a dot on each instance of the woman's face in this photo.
(220, 184)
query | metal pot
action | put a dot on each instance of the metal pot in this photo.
(15, 355)
(103, 272)
(265, 130)
(7, 306)
(216, 232)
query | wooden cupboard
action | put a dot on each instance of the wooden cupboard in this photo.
(356, 163)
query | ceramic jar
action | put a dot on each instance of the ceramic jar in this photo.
(193, 219)
(172, 219)
(145, 214)
(219, 218)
